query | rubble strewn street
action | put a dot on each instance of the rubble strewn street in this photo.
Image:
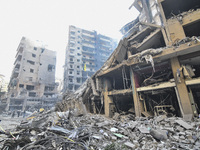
(63, 130)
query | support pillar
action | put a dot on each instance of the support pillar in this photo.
(182, 92)
(108, 100)
(139, 108)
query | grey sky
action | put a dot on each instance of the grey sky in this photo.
(48, 21)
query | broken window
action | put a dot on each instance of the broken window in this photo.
(76, 87)
(70, 86)
(21, 85)
(42, 50)
(31, 70)
(30, 87)
(72, 33)
(32, 94)
(71, 59)
(31, 62)
(33, 55)
(78, 80)
(70, 79)
(49, 88)
(51, 68)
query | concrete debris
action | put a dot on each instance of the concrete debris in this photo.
(63, 130)
(184, 124)
(146, 54)
(195, 39)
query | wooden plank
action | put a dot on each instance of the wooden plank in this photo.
(160, 86)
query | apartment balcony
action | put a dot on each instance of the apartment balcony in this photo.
(18, 59)
(88, 59)
(88, 34)
(88, 65)
(88, 52)
(107, 40)
(88, 45)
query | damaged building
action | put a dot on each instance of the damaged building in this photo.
(155, 69)
(32, 82)
(86, 52)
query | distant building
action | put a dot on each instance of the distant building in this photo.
(86, 52)
(33, 77)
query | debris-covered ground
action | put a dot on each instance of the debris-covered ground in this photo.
(63, 130)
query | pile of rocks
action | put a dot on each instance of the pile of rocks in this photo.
(66, 130)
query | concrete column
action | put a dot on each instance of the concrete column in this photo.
(108, 100)
(182, 92)
(139, 108)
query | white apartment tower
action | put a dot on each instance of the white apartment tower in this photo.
(86, 52)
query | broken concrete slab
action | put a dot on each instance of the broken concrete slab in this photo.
(184, 124)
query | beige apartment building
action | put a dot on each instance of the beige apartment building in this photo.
(33, 77)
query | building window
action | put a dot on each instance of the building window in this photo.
(78, 80)
(51, 68)
(21, 85)
(78, 54)
(78, 72)
(33, 55)
(49, 88)
(32, 94)
(31, 70)
(70, 72)
(78, 60)
(71, 66)
(31, 62)
(90, 63)
(71, 59)
(70, 80)
(30, 87)
(78, 42)
(78, 31)
(78, 66)
(35, 48)
(42, 50)
(90, 69)
(70, 87)
(78, 47)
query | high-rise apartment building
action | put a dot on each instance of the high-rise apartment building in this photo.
(86, 52)
(33, 76)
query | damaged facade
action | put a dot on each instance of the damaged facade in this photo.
(33, 78)
(155, 68)
(86, 52)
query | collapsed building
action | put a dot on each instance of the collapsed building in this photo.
(32, 83)
(155, 69)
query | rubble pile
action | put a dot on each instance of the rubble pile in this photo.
(66, 130)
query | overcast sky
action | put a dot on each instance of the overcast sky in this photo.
(48, 21)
